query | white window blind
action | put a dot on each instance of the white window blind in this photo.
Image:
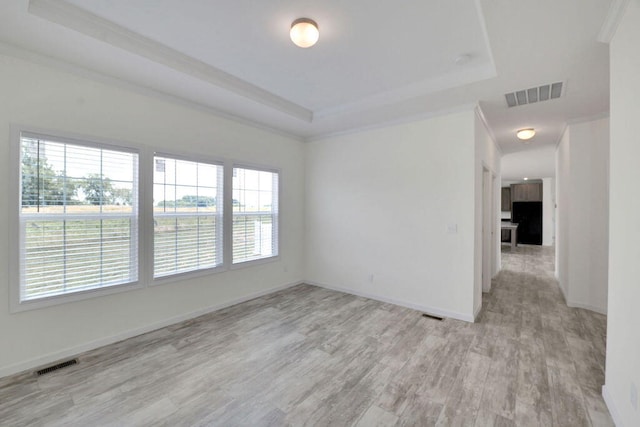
(255, 214)
(78, 217)
(187, 204)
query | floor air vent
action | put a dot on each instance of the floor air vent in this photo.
(431, 316)
(57, 366)
(534, 94)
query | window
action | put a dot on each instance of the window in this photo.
(255, 214)
(80, 207)
(78, 217)
(187, 214)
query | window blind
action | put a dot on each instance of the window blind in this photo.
(188, 209)
(255, 214)
(78, 217)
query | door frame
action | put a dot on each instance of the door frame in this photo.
(489, 227)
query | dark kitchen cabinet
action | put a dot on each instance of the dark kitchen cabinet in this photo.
(526, 192)
(506, 199)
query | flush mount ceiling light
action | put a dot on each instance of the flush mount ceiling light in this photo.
(304, 32)
(526, 134)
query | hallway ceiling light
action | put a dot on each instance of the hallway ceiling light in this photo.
(304, 32)
(526, 134)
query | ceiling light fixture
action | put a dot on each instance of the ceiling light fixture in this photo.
(526, 134)
(304, 32)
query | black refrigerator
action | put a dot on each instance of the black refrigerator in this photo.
(528, 216)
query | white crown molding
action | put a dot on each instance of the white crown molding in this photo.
(447, 81)
(611, 22)
(598, 116)
(10, 50)
(591, 118)
(75, 18)
(394, 122)
(480, 114)
(561, 135)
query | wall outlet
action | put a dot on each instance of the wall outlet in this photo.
(633, 395)
(285, 269)
(452, 228)
(371, 278)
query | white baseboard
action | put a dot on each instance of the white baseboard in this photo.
(91, 345)
(425, 309)
(587, 307)
(574, 304)
(613, 410)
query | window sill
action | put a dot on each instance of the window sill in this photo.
(254, 262)
(187, 275)
(19, 306)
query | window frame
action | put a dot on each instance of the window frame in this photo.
(258, 261)
(15, 239)
(169, 278)
(145, 230)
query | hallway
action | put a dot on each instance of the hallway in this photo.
(554, 354)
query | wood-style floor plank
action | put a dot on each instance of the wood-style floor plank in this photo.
(311, 356)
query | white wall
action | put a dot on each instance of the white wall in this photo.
(41, 97)
(487, 156)
(381, 208)
(623, 338)
(563, 191)
(548, 211)
(583, 197)
(534, 162)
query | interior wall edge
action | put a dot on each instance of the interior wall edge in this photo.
(562, 290)
(477, 310)
(613, 410)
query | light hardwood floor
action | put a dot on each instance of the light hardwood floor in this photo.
(312, 356)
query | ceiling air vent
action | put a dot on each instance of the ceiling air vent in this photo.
(535, 94)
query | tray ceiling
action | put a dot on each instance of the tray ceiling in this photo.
(375, 63)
